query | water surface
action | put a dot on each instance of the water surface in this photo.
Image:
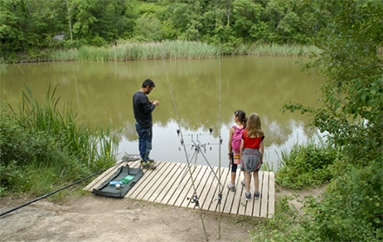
(194, 95)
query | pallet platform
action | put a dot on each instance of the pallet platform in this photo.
(174, 184)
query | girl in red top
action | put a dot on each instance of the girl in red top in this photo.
(252, 149)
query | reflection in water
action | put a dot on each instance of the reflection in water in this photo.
(170, 148)
(101, 93)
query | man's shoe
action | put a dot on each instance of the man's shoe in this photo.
(148, 165)
(150, 160)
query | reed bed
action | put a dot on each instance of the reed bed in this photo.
(43, 146)
(91, 148)
(126, 51)
(282, 50)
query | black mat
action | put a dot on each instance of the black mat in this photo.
(111, 191)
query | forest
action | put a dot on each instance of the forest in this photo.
(35, 28)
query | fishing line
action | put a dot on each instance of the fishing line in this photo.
(51, 193)
(194, 199)
(220, 143)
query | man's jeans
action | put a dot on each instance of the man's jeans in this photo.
(145, 136)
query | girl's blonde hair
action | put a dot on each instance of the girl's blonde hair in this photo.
(253, 126)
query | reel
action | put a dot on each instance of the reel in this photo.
(194, 200)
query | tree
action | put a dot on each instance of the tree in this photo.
(100, 22)
(246, 15)
(12, 25)
(352, 116)
(30, 25)
(352, 62)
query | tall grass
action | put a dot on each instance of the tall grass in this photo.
(90, 146)
(126, 51)
(48, 145)
(306, 165)
(282, 50)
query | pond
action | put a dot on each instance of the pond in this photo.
(195, 96)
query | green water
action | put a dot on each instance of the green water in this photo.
(194, 95)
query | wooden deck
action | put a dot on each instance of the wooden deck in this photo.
(171, 184)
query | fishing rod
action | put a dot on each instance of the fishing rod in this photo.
(220, 138)
(194, 198)
(56, 191)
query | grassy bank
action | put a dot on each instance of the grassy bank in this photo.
(43, 147)
(126, 51)
(349, 209)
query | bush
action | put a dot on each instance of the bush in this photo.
(350, 210)
(306, 166)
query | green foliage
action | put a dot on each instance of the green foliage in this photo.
(306, 166)
(106, 20)
(148, 28)
(10, 176)
(352, 208)
(124, 51)
(42, 139)
(353, 95)
(282, 226)
(247, 17)
(29, 27)
(351, 115)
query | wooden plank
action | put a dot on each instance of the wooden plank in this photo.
(158, 179)
(206, 195)
(257, 204)
(166, 175)
(215, 206)
(211, 197)
(227, 196)
(238, 193)
(183, 185)
(264, 195)
(138, 186)
(242, 203)
(221, 187)
(135, 164)
(211, 193)
(271, 201)
(250, 203)
(142, 185)
(231, 204)
(193, 190)
(103, 177)
(204, 186)
(172, 183)
(155, 177)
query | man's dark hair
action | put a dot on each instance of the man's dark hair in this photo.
(149, 83)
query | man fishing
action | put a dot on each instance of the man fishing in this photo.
(143, 109)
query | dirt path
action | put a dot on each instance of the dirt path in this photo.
(95, 218)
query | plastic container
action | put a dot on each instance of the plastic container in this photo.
(114, 183)
(127, 179)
